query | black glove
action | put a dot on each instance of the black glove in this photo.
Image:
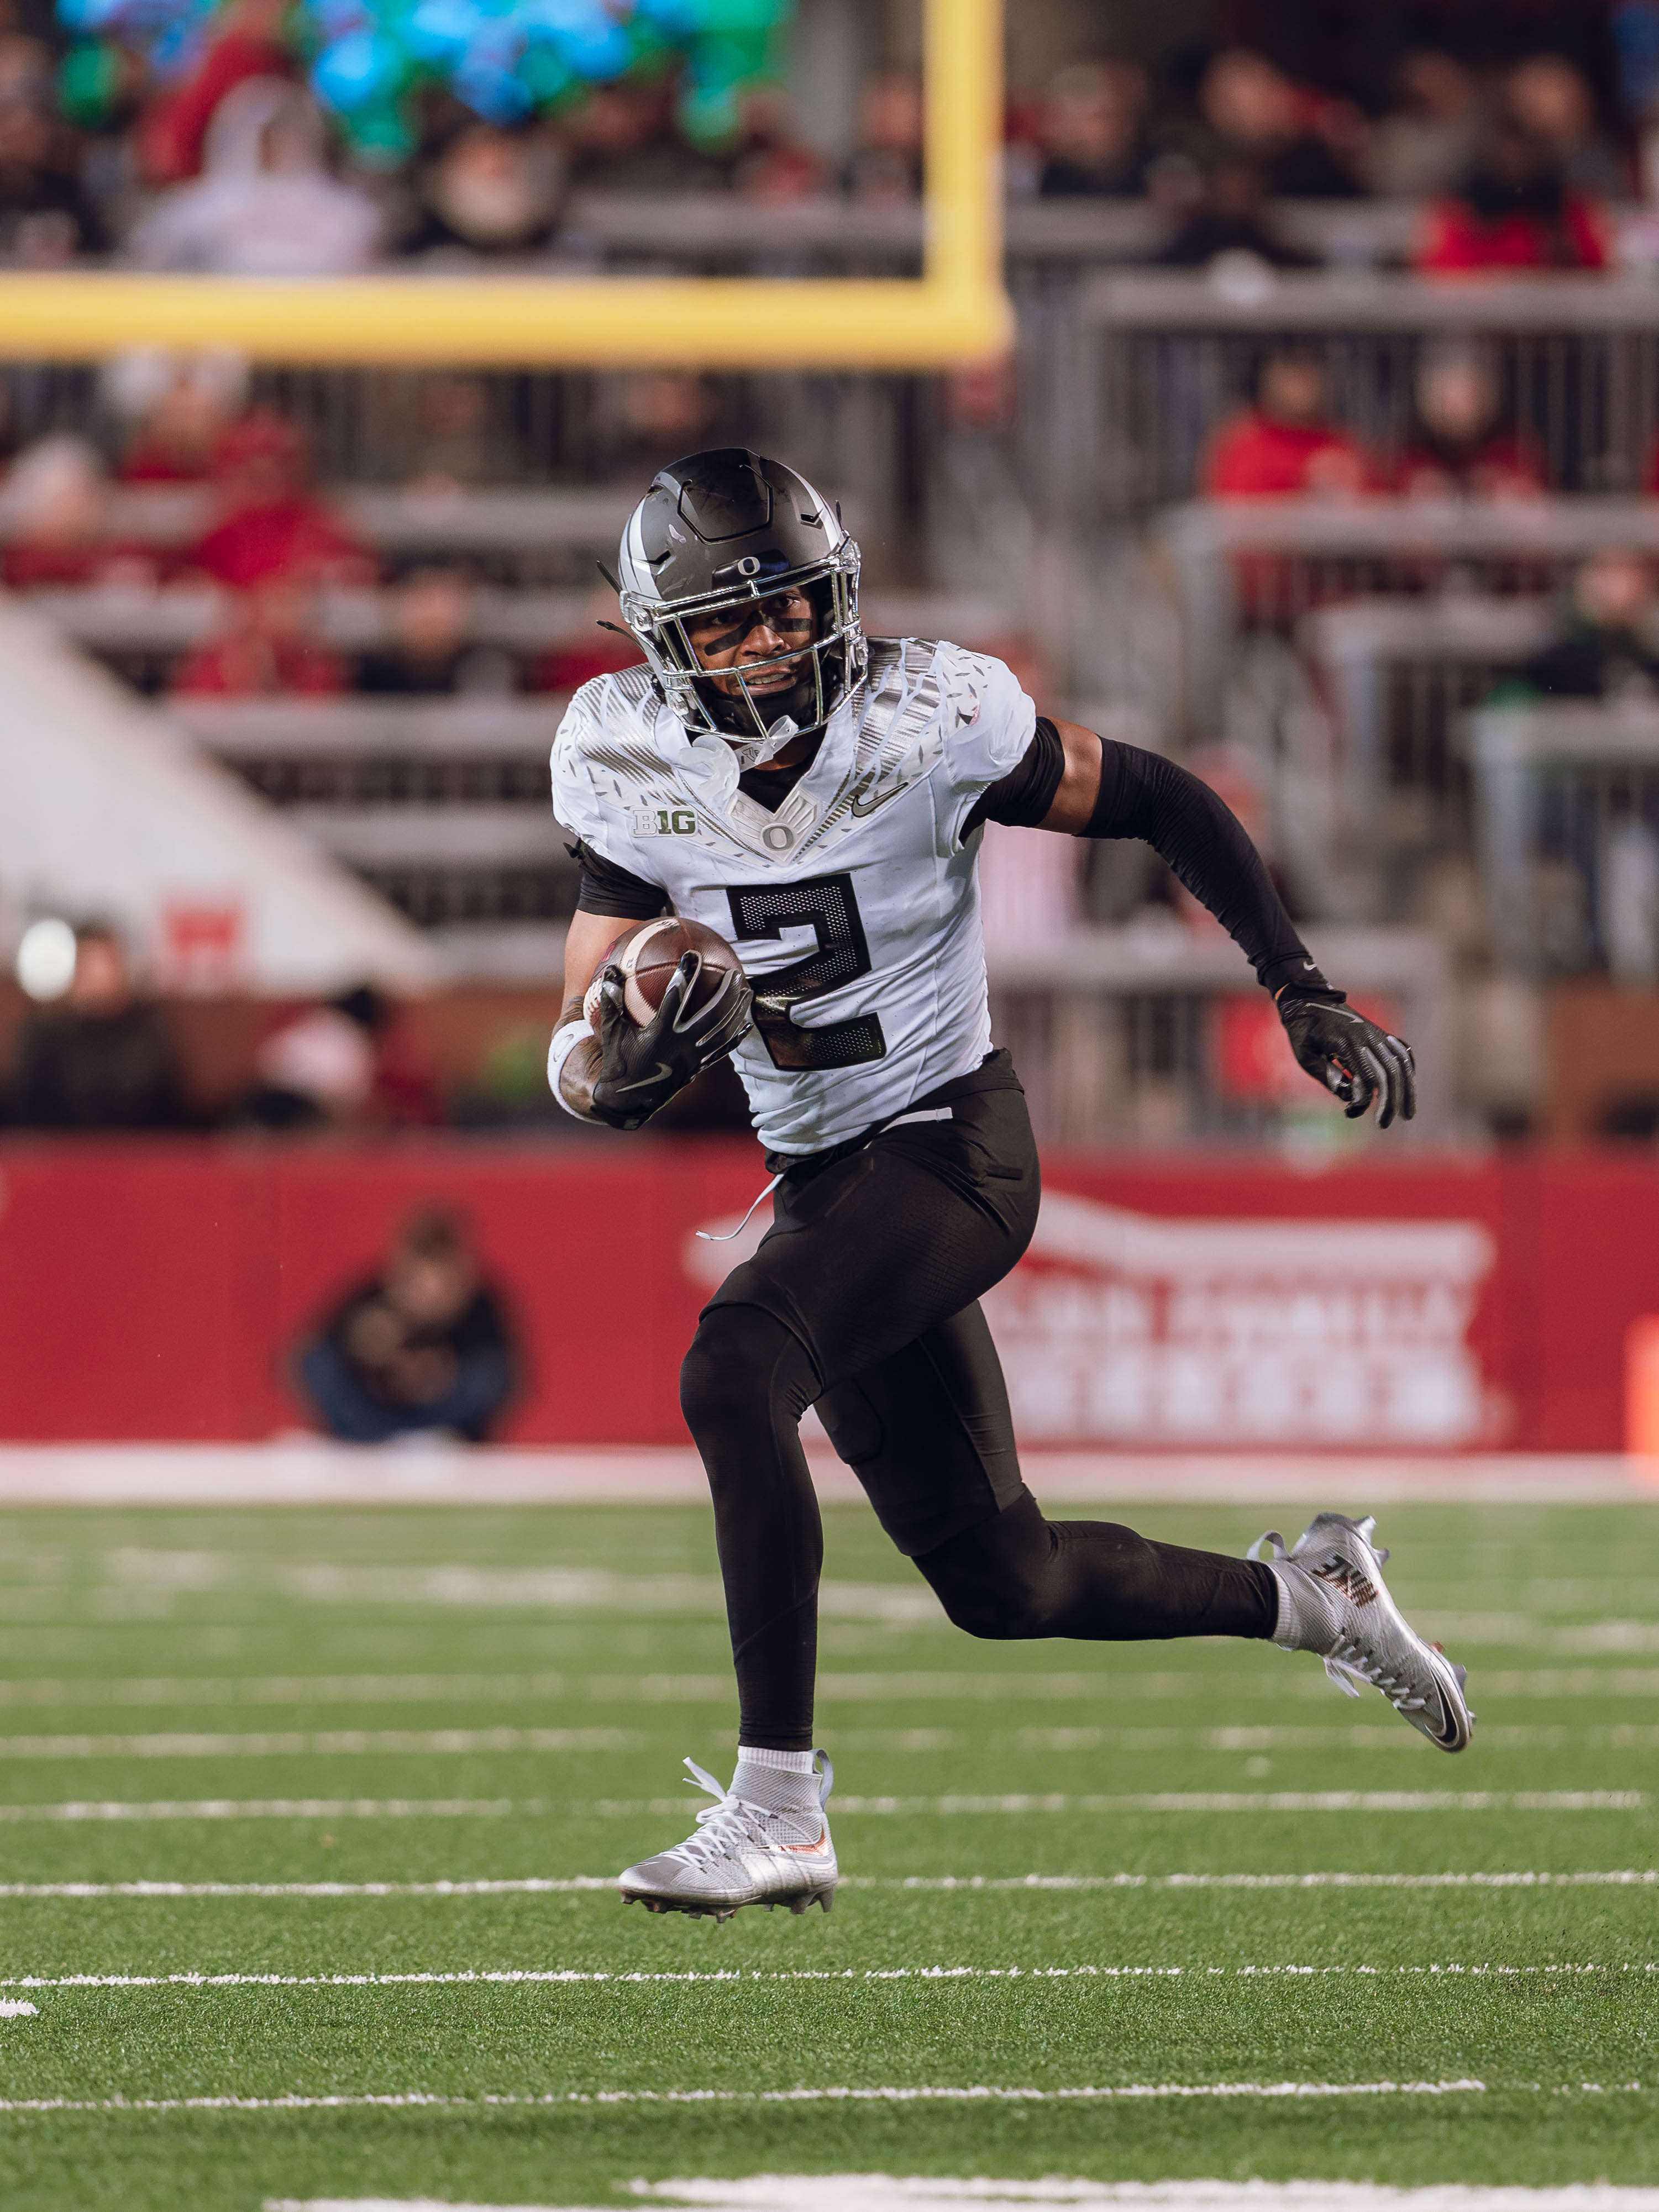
(640, 1069)
(1350, 1055)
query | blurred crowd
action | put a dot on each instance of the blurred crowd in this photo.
(97, 1051)
(1519, 163)
(263, 539)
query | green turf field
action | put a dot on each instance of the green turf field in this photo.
(415, 1698)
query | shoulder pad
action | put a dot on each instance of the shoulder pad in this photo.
(611, 719)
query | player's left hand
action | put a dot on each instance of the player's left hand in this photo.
(1351, 1057)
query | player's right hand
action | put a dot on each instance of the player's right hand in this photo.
(641, 1069)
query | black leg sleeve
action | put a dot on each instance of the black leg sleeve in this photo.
(746, 1383)
(1016, 1575)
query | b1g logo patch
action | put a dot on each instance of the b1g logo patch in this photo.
(665, 822)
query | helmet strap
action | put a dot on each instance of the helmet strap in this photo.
(754, 752)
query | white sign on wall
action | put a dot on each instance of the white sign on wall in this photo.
(1122, 1327)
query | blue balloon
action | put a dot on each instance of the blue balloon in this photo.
(356, 70)
(491, 91)
(438, 31)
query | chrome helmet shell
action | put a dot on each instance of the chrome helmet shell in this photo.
(719, 532)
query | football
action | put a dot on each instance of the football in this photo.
(649, 953)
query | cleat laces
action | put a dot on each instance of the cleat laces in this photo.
(1348, 1665)
(722, 1827)
(730, 1822)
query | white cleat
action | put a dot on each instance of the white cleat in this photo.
(741, 1854)
(1340, 1608)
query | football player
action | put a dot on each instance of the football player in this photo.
(818, 797)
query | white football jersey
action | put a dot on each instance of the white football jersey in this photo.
(854, 908)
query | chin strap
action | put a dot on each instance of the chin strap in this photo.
(754, 752)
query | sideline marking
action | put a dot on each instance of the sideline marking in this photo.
(325, 1744)
(1238, 1801)
(979, 2093)
(551, 1885)
(283, 1689)
(466, 1977)
(1220, 1801)
(287, 1808)
(883, 2193)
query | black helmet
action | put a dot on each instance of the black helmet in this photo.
(721, 530)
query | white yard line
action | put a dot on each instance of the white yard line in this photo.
(1035, 1884)
(975, 2094)
(1616, 1878)
(468, 1977)
(886, 1686)
(1223, 1801)
(284, 1808)
(884, 2192)
(1241, 1801)
(288, 1689)
(329, 1743)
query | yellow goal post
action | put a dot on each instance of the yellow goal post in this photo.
(956, 311)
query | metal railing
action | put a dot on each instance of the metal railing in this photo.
(442, 805)
(1398, 675)
(1295, 556)
(410, 753)
(717, 233)
(124, 623)
(590, 436)
(1568, 822)
(1151, 362)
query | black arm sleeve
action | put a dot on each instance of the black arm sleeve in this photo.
(1206, 845)
(607, 889)
(1023, 796)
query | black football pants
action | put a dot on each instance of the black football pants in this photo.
(862, 1300)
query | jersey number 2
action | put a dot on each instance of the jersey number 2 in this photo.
(825, 904)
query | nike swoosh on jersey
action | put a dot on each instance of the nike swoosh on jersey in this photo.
(861, 806)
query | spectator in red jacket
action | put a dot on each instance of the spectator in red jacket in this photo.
(1288, 443)
(1463, 446)
(179, 407)
(273, 524)
(267, 649)
(57, 501)
(1516, 209)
